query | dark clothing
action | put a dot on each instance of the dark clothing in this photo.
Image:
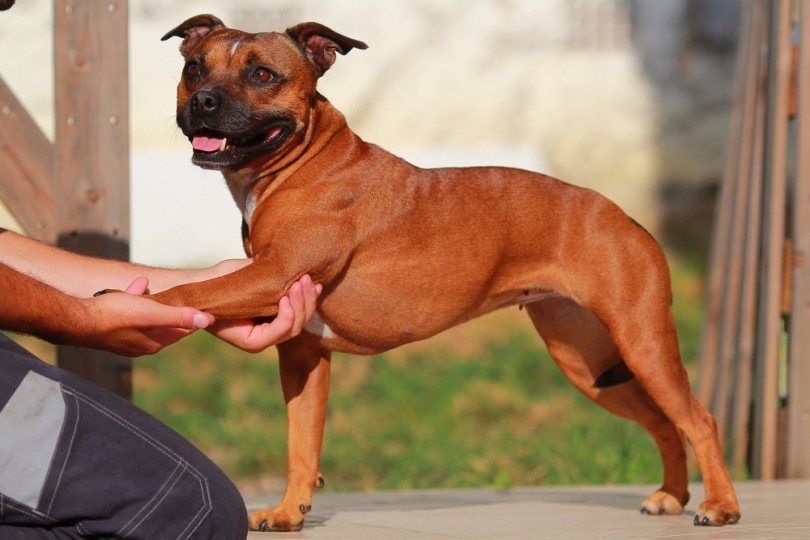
(79, 462)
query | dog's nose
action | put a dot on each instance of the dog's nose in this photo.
(205, 101)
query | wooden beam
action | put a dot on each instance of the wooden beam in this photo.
(752, 157)
(798, 428)
(766, 403)
(737, 245)
(727, 348)
(26, 159)
(91, 155)
(720, 249)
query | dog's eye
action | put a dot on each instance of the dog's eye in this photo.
(193, 70)
(262, 75)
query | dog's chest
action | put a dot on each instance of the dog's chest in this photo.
(249, 208)
(243, 196)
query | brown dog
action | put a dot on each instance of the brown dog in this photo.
(404, 253)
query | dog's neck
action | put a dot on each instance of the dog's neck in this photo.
(249, 184)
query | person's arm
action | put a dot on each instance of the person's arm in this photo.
(81, 276)
(126, 324)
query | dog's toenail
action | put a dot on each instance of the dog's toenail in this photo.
(697, 519)
(304, 508)
(644, 510)
(263, 526)
(662, 511)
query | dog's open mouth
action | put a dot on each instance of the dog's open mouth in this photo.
(217, 150)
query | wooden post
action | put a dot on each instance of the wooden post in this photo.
(727, 350)
(91, 153)
(798, 428)
(764, 450)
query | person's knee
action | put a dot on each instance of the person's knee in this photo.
(228, 516)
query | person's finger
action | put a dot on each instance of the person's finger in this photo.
(139, 286)
(311, 292)
(194, 319)
(253, 338)
(298, 306)
(303, 296)
(163, 337)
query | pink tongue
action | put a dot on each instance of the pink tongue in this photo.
(206, 144)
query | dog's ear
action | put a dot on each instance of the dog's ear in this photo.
(319, 44)
(193, 30)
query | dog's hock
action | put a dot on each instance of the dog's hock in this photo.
(319, 44)
(193, 30)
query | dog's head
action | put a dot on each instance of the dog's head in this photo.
(242, 96)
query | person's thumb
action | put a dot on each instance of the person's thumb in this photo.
(139, 286)
(200, 320)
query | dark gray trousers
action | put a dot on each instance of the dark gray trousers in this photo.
(78, 462)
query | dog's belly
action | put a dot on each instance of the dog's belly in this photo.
(343, 336)
(347, 333)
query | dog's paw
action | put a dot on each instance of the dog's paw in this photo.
(715, 513)
(276, 520)
(662, 503)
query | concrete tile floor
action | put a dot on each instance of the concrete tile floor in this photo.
(771, 510)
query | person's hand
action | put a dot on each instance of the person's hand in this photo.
(131, 325)
(294, 312)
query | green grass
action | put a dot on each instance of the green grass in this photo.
(477, 409)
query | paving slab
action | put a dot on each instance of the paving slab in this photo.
(771, 510)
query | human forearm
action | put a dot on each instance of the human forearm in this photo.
(32, 307)
(73, 274)
(127, 324)
(82, 276)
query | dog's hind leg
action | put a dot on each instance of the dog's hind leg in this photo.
(631, 322)
(583, 349)
(648, 342)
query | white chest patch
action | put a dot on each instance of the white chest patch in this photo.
(250, 207)
(319, 328)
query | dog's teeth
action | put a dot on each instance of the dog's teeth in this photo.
(223, 145)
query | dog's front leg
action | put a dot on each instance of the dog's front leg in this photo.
(251, 291)
(305, 370)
